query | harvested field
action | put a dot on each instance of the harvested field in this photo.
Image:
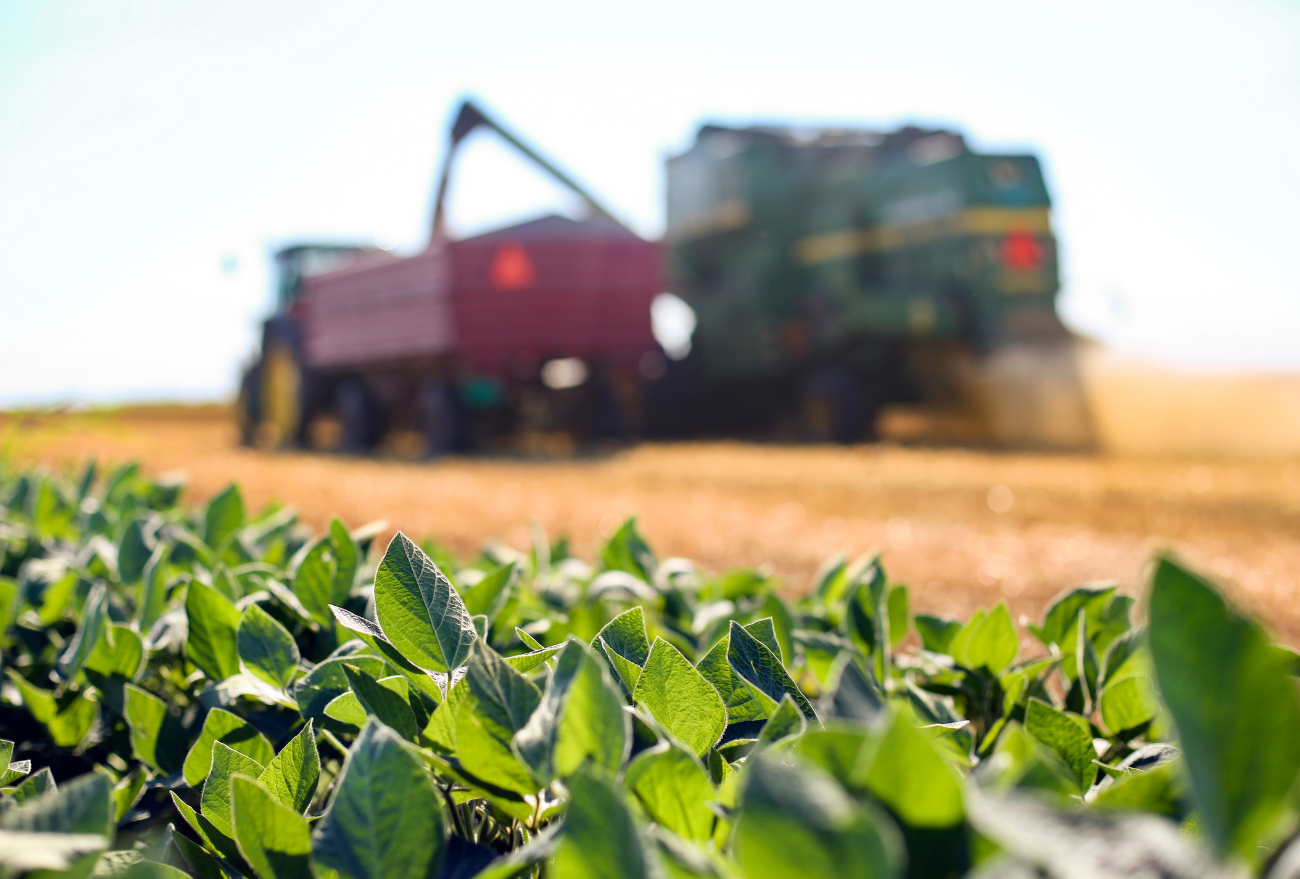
(964, 528)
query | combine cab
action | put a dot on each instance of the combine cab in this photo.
(542, 328)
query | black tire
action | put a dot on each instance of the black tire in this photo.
(831, 407)
(357, 414)
(438, 418)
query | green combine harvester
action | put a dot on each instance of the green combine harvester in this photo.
(850, 284)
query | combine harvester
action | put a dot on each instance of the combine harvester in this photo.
(846, 284)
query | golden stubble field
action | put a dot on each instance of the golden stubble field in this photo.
(963, 528)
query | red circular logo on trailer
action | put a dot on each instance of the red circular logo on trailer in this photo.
(511, 269)
(1022, 250)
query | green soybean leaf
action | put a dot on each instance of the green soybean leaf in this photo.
(600, 840)
(908, 775)
(94, 618)
(327, 681)
(156, 737)
(374, 637)
(39, 782)
(215, 799)
(898, 608)
(223, 517)
(82, 805)
(736, 695)
(674, 790)
(386, 821)
(506, 698)
(1067, 736)
(786, 720)
(266, 647)
(760, 668)
(681, 698)
(347, 556)
(213, 625)
(624, 642)
(313, 581)
(292, 775)
(347, 708)
(419, 610)
(991, 643)
(204, 865)
(936, 632)
(1128, 704)
(1233, 704)
(132, 553)
(797, 822)
(765, 631)
(153, 589)
(126, 793)
(67, 718)
(580, 719)
(117, 660)
(233, 731)
(488, 596)
(390, 707)
(275, 840)
(1059, 620)
(526, 662)
(626, 550)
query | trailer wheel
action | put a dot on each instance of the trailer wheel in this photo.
(357, 414)
(831, 408)
(247, 406)
(438, 418)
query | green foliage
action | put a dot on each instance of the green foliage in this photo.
(526, 713)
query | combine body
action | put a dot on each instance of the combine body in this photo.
(838, 274)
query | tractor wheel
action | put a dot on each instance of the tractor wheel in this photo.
(281, 396)
(357, 414)
(438, 418)
(247, 406)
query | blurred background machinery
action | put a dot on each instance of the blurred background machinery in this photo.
(846, 284)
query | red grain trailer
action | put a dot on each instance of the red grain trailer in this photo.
(539, 327)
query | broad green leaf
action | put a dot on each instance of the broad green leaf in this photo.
(1128, 703)
(127, 792)
(624, 642)
(213, 625)
(8, 604)
(489, 595)
(204, 865)
(347, 556)
(419, 610)
(390, 707)
(156, 737)
(600, 840)
(118, 659)
(680, 698)
(626, 550)
(94, 618)
(580, 718)
(526, 662)
(313, 581)
(292, 774)
(153, 589)
(1233, 704)
(440, 731)
(936, 632)
(674, 790)
(1127, 655)
(786, 720)
(22, 850)
(385, 821)
(374, 637)
(908, 775)
(740, 701)
(233, 731)
(266, 647)
(506, 698)
(215, 800)
(1066, 735)
(898, 609)
(223, 517)
(275, 840)
(991, 644)
(347, 708)
(67, 718)
(764, 630)
(760, 668)
(192, 818)
(796, 822)
(39, 782)
(82, 805)
(483, 747)
(132, 553)
(1158, 790)
(1059, 620)
(327, 681)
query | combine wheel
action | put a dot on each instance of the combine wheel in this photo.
(281, 396)
(831, 408)
(438, 417)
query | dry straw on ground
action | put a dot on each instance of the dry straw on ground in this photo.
(964, 528)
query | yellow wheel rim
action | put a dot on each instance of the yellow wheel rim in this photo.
(281, 395)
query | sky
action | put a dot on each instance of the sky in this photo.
(153, 155)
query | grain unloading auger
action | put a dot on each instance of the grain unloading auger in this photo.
(846, 284)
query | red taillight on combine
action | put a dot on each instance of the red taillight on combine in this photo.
(511, 269)
(1022, 250)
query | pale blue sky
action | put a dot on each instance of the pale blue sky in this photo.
(151, 154)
